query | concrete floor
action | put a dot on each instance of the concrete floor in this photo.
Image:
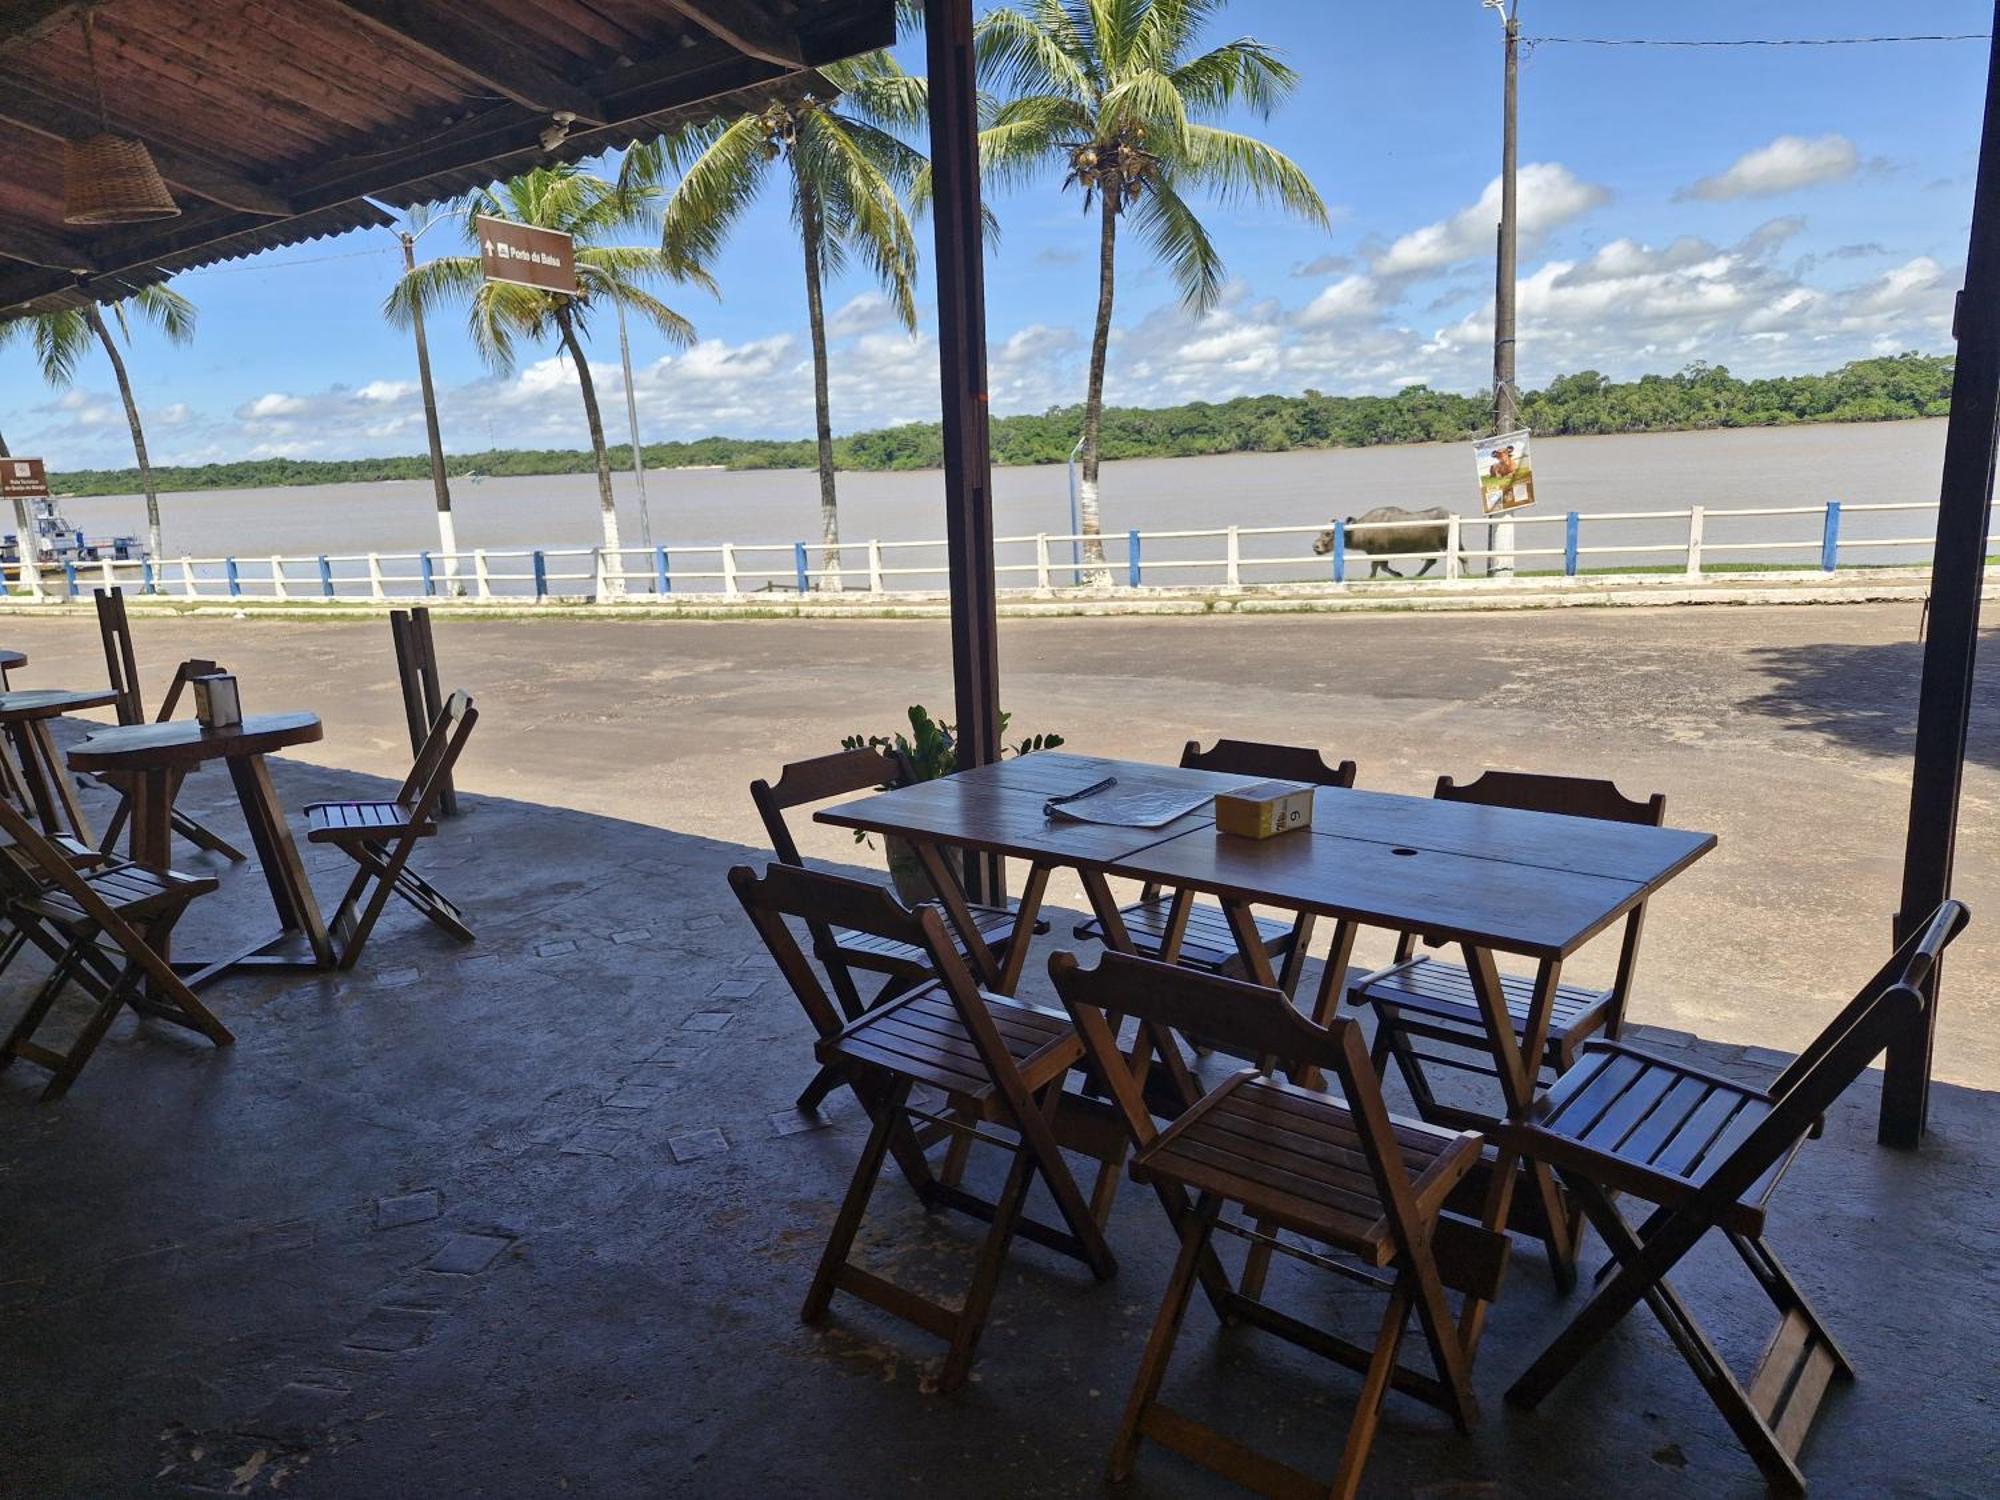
(533, 1217)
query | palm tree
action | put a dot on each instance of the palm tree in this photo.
(846, 173)
(1113, 92)
(60, 339)
(590, 210)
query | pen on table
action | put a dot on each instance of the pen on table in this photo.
(1096, 786)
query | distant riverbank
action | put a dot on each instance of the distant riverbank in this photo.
(1700, 398)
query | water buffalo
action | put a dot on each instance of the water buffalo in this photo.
(1392, 531)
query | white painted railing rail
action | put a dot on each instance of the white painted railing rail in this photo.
(1692, 541)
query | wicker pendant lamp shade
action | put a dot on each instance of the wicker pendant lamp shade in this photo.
(110, 178)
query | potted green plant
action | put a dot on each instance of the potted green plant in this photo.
(931, 747)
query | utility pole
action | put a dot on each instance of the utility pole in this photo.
(447, 534)
(1506, 416)
(632, 417)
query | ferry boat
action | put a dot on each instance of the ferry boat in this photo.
(56, 542)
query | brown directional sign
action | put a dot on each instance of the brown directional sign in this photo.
(525, 256)
(23, 479)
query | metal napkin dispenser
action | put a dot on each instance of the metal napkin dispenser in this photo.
(1265, 809)
(217, 703)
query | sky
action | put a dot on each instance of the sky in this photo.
(1775, 210)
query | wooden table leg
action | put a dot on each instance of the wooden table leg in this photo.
(1519, 1069)
(61, 779)
(284, 872)
(34, 775)
(1024, 929)
(951, 894)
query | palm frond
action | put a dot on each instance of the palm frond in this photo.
(874, 88)
(1023, 54)
(1241, 74)
(167, 310)
(1234, 167)
(1177, 237)
(59, 340)
(853, 168)
(714, 190)
(1146, 99)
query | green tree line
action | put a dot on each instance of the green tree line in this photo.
(1702, 396)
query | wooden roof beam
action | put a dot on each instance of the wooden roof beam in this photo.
(508, 69)
(25, 243)
(44, 115)
(27, 21)
(745, 27)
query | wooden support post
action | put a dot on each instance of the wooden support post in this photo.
(968, 457)
(1944, 707)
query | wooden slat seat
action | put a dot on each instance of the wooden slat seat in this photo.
(339, 822)
(1436, 999)
(882, 955)
(1704, 1153)
(1667, 1127)
(921, 1037)
(1000, 1063)
(133, 891)
(1357, 1183)
(1207, 945)
(1295, 1158)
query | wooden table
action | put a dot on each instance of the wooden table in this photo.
(1492, 880)
(157, 757)
(9, 660)
(25, 718)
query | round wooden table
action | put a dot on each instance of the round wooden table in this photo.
(157, 757)
(25, 717)
(9, 660)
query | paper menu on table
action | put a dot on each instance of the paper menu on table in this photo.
(1123, 807)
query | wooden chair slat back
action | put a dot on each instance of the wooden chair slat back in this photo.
(1233, 1015)
(819, 900)
(1240, 1017)
(1892, 999)
(55, 870)
(442, 747)
(185, 673)
(120, 662)
(1573, 796)
(824, 776)
(1268, 762)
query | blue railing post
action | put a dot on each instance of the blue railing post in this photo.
(1829, 539)
(541, 575)
(430, 580)
(1132, 556)
(325, 576)
(145, 575)
(661, 577)
(799, 565)
(69, 573)
(1340, 551)
(1572, 524)
(235, 580)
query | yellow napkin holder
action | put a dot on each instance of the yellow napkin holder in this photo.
(1264, 810)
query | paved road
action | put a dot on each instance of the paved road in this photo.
(1785, 731)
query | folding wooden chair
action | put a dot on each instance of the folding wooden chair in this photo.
(99, 923)
(122, 664)
(1707, 1153)
(904, 964)
(1205, 940)
(1340, 1173)
(379, 838)
(997, 1061)
(1418, 998)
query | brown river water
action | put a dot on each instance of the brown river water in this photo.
(1794, 466)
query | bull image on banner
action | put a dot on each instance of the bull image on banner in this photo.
(1506, 477)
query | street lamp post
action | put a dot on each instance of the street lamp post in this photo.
(1506, 415)
(632, 418)
(1075, 521)
(440, 484)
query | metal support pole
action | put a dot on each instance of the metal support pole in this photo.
(1572, 525)
(968, 457)
(1132, 557)
(632, 417)
(1944, 706)
(1075, 522)
(1829, 539)
(1340, 551)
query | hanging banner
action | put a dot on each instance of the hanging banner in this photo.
(1506, 477)
(525, 256)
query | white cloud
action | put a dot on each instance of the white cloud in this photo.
(388, 390)
(1787, 164)
(1549, 196)
(273, 404)
(1351, 298)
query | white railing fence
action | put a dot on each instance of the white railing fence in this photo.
(1693, 541)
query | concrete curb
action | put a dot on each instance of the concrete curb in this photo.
(1858, 586)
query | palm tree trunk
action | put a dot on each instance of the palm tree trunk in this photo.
(154, 547)
(1090, 518)
(813, 231)
(614, 574)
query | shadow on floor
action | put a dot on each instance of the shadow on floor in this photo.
(1865, 696)
(535, 1216)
